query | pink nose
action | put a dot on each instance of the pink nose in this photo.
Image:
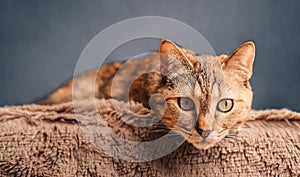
(203, 133)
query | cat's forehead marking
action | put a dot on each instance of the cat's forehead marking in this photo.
(210, 79)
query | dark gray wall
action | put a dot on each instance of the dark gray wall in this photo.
(40, 41)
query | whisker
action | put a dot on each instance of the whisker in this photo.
(160, 130)
(230, 136)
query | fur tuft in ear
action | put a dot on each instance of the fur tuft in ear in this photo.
(241, 60)
(172, 54)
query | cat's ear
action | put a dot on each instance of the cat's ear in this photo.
(241, 60)
(172, 53)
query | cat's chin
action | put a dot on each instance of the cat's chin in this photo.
(204, 144)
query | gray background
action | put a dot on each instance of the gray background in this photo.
(40, 41)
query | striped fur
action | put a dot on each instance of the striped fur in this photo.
(204, 79)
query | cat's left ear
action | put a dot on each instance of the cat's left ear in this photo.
(172, 53)
(241, 60)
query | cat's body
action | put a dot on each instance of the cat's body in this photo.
(201, 97)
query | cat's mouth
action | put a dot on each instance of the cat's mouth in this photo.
(210, 137)
(201, 142)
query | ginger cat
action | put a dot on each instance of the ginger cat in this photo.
(201, 97)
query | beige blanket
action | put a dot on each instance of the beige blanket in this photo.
(47, 141)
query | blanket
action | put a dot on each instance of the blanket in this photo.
(41, 140)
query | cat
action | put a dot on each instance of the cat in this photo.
(201, 97)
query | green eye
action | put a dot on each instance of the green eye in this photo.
(186, 103)
(225, 105)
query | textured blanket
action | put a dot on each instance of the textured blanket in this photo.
(40, 140)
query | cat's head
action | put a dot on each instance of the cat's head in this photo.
(205, 95)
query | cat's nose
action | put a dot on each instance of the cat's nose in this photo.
(203, 133)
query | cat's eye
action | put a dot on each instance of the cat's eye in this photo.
(186, 103)
(225, 105)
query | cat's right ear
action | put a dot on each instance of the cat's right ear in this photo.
(172, 53)
(241, 60)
